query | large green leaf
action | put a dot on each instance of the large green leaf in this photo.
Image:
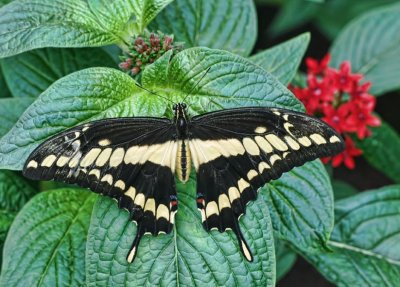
(30, 73)
(102, 93)
(342, 189)
(188, 257)
(371, 44)
(15, 191)
(230, 25)
(382, 150)
(283, 60)
(301, 206)
(365, 241)
(285, 259)
(334, 15)
(293, 14)
(146, 10)
(10, 111)
(4, 91)
(30, 24)
(46, 243)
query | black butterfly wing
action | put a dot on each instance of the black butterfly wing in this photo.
(237, 151)
(129, 159)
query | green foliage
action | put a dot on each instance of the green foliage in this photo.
(364, 241)
(74, 23)
(31, 73)
(382, 150)
(189, 256)
(98, 93)
(342, 189)
(301, 206)
(283, 60)
(203, 23)
(285, 259)
(47, 240)
(374, 59)
(10, 110)
(70, 237)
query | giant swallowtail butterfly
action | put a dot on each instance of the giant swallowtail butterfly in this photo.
(134, 160)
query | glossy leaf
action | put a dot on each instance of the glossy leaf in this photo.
(343, 189)
(285, 259)
(365, 241)
(46, 243)
(146, 10)
(31, 73)
(103, 93)
(15, 191)
(283, 60)
(382, 150)
(188, 257)
(10, 111)
(301, 206)
(293, 14)
(370, 43)
(4, 91)
(334, 15)
(31, 24)
(204, 23)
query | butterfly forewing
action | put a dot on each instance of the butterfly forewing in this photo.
(237, 151)
(129, 159)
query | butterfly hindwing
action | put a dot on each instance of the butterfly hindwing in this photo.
(129, 159)
(237, 151)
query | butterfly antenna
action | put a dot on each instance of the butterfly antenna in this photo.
(194, 87)
(153, 93)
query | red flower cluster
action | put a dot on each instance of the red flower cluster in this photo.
(341, 100)
(145, 50)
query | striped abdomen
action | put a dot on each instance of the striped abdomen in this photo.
(183, 161)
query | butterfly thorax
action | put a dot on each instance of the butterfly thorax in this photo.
(183, 156)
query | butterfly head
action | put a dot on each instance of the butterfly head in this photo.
(180, 119)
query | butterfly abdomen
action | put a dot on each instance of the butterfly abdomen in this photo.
(183, 162)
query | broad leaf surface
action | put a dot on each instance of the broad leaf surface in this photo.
(371, 44)
(382, 150)
(301, 206)
(343, 189)
(285, 259)
(31, 24)
(104, 93)
(46, 243)
(293, 14)
(334, 15)
(15, 191)
(189, 256)
(10, 111)
(230, 25)
(31, 73)
(365, 241)
(4, 91)
(283, 60)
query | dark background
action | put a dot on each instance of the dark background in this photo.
(363, 177)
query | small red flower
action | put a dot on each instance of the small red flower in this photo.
(359, 120)
(318, 68)
(338, 97)
(344, 79)
(336, 117)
